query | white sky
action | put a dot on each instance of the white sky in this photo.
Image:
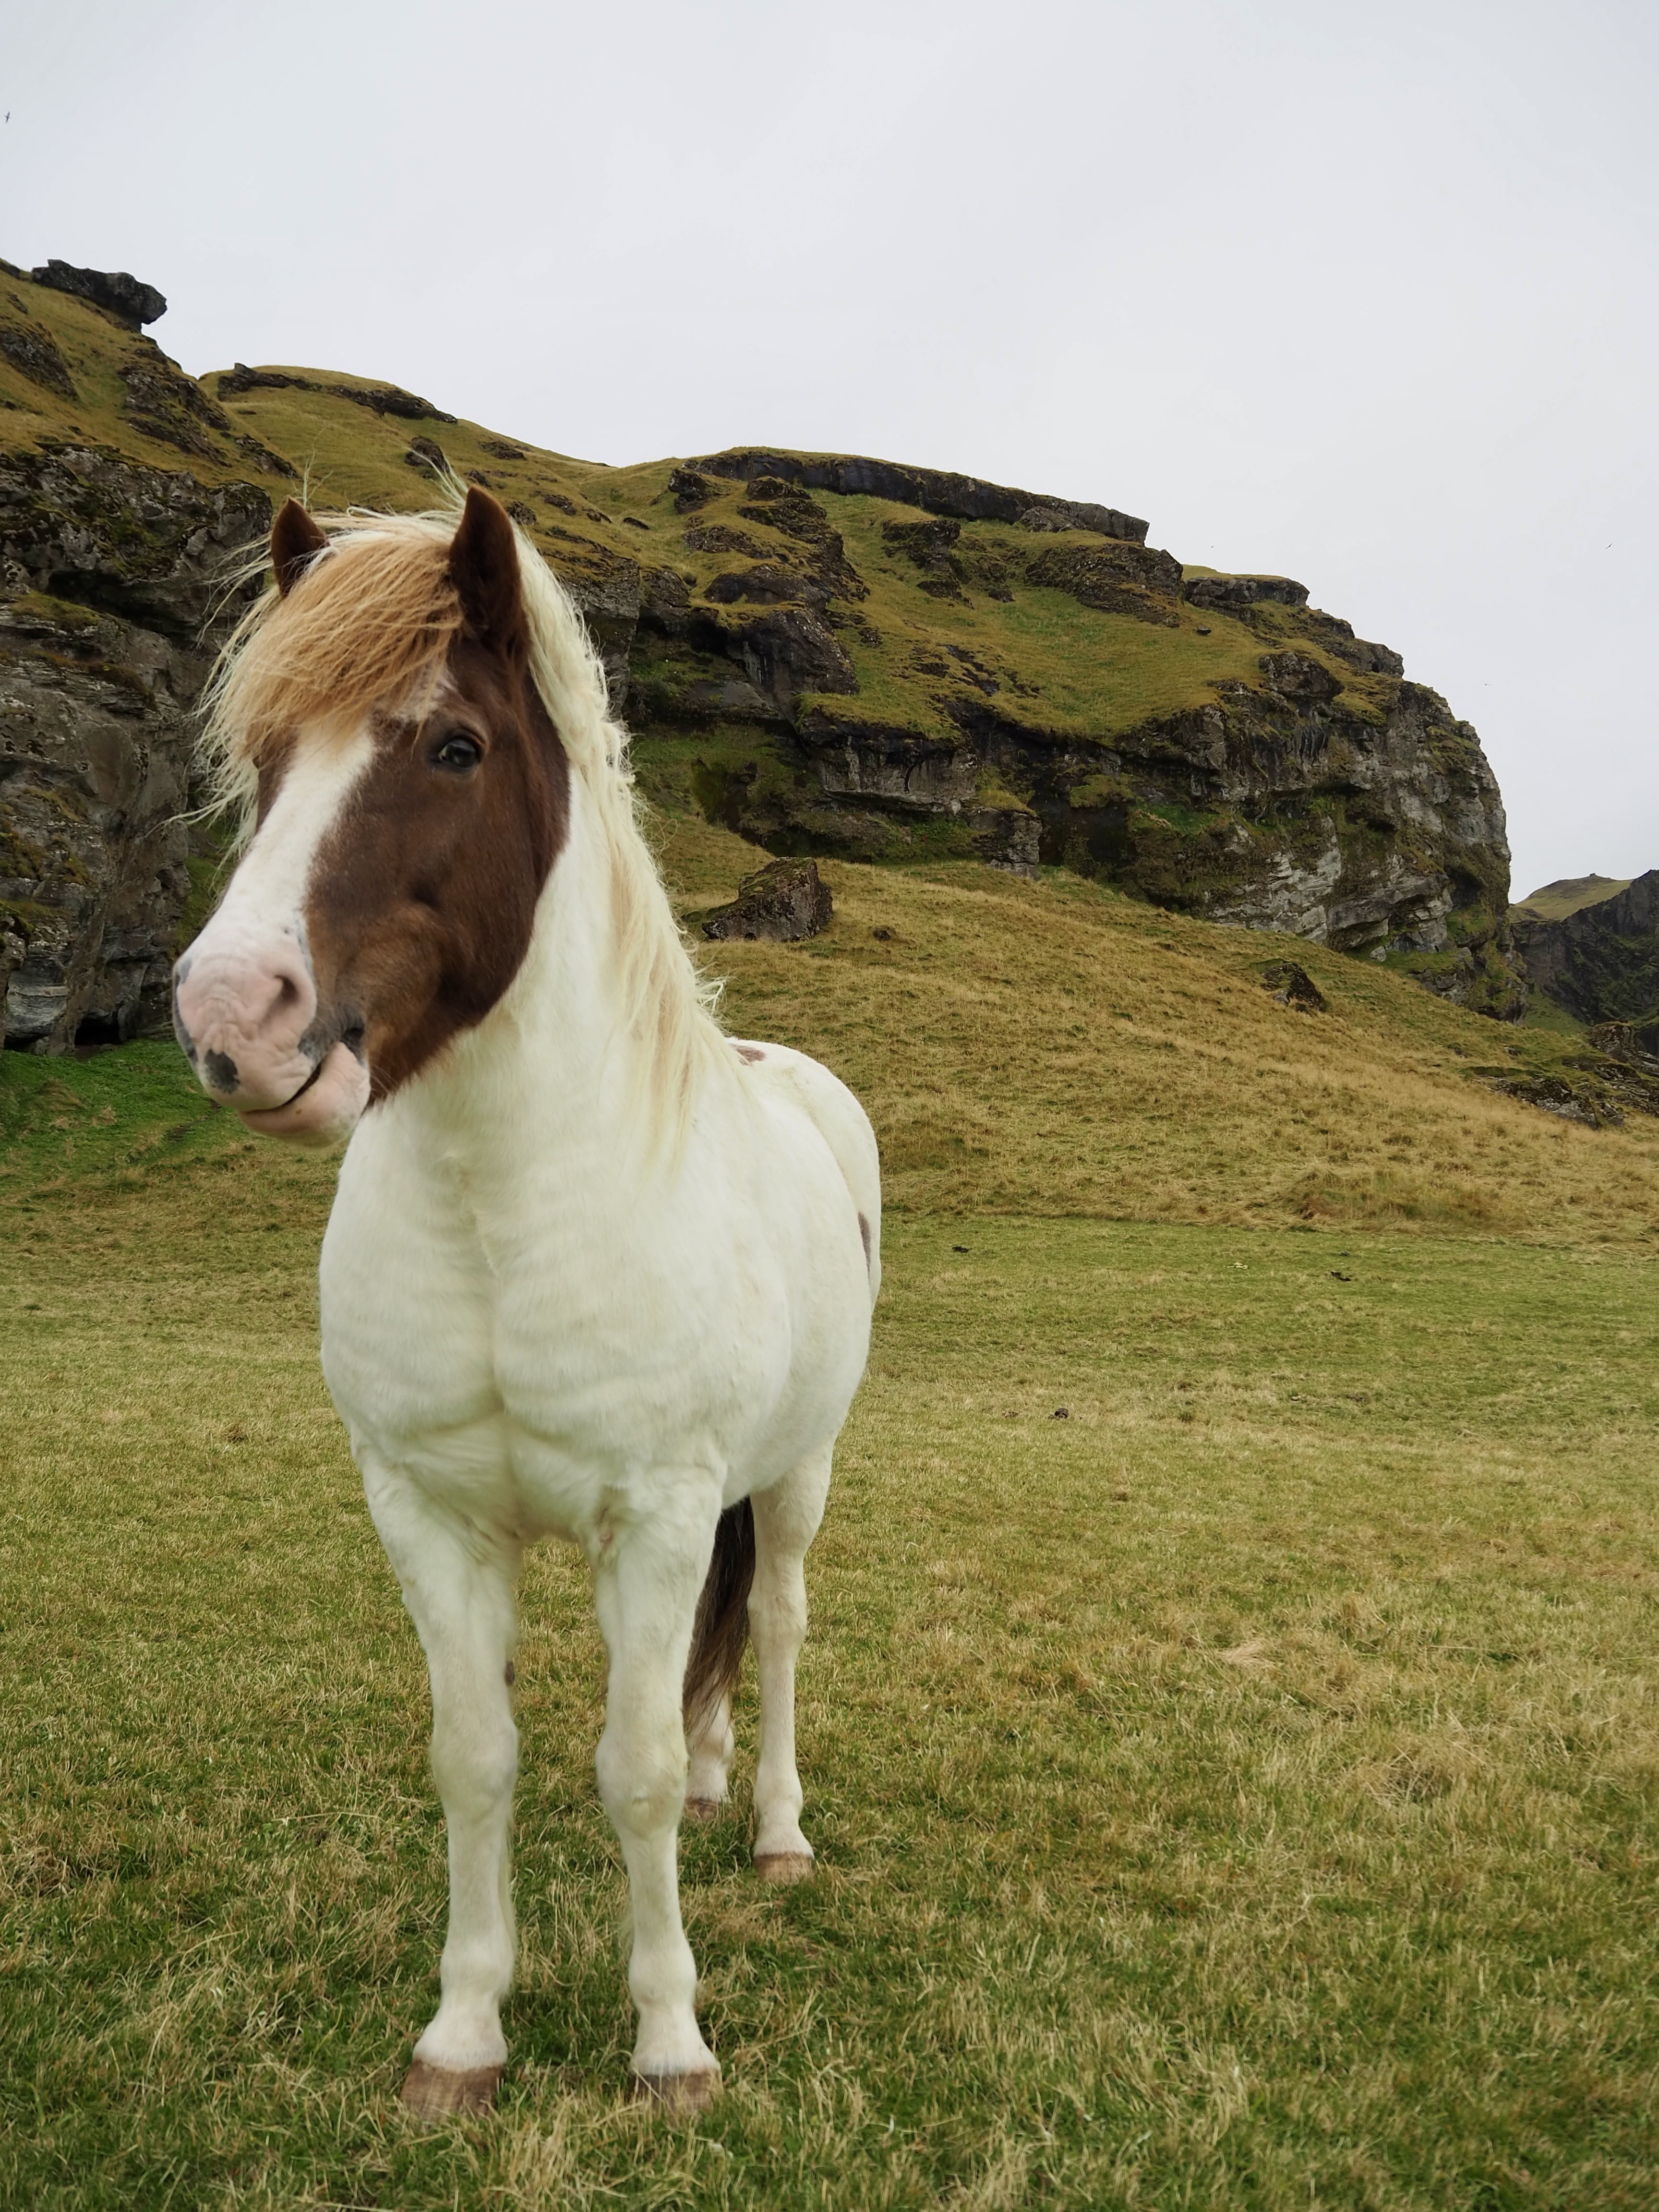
(1361, 290)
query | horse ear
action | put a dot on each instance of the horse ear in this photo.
(296, 542)
(484, 566)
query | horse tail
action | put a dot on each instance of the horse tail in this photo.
(721, 1628)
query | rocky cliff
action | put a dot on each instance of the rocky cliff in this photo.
(1599, 958)
(829, 654)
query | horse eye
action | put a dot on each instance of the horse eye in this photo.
(458, 754)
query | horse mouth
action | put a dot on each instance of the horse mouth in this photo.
(351, 1037)
(314, 1076)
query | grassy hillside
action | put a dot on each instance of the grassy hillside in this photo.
(1555, 901)
(836, 672)
(1071, 668)
(1050, 1048)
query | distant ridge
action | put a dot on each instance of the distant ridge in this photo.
(1599, 957)
(1568, 895)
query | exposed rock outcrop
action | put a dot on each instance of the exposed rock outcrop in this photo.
(827, 652)
(1326, 798)
(108, 574)
(938, 491)
(126, 297)
(1600, 961)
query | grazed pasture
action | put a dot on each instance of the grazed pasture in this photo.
(1240, 1792)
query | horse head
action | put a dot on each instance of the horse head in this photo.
(402, 834)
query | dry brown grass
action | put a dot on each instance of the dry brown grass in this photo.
(1050, 1048)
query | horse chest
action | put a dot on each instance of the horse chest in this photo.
(525, 1368)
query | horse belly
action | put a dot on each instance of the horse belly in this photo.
(829, 1347)
(723, 1333)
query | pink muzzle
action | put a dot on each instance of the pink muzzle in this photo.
(245, 1011)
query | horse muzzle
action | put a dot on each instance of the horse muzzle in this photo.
(246, 1013)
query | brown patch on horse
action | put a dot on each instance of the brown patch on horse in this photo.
(296, 542)
(749, 1052)
(424, 893)
(864, 1232)
(271, 771)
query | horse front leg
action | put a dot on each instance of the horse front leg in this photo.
(458, 1586)
(647, 1582)
(786, 1518)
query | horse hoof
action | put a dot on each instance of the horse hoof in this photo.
(784, 1867)
(435, 2093)
(702, 1808)
(677, 2094)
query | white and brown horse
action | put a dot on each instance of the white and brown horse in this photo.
(593, 1270)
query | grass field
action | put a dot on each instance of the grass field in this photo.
(1243, 1791)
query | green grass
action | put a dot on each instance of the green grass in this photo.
(1240, 1792)
(1053, 1048)
(1555, 901)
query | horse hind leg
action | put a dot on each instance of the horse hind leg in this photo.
(711, 1744)
(786, 1518)
(716, 1661)
(462, 1607)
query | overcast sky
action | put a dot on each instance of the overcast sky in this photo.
(1359, 290)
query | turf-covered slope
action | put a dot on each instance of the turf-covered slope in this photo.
(847, 657)
(1053, 1047)
(1043, 1047)
(1568, 895)
(826, 654)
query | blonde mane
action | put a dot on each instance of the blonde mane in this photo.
(373, 619)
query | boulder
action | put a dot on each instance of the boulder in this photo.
(782, 903)
(119, 294)
(1292, 986)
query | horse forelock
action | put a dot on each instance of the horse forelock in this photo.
(371, 622)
